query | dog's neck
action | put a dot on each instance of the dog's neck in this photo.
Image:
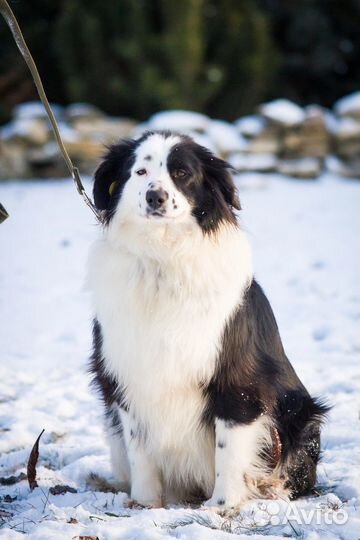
(174, 244)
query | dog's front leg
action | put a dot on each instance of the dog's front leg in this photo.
(146, 486)
(235, 453)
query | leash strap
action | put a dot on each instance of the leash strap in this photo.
(11, 21)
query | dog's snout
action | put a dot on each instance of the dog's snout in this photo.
(156, 198)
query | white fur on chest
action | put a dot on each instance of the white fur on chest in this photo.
(162, 319)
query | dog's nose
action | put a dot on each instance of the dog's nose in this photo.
(156, 198)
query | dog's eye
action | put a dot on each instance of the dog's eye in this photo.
(141, 172)
(179, 173)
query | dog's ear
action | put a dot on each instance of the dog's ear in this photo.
(112, 172)
(218, 171)
(228, 187)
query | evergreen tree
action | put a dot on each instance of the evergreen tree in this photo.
(221, 57)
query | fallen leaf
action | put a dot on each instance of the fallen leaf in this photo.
(60, 489)
(8, 498)
(10, 480)
(31, 466)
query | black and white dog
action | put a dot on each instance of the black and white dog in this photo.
(199, 394)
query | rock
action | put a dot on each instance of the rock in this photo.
(13, 161)
(46, 161)
(30, 110)
(27, 131)
(307, 167)
(181, 121)
(77, 111)
(348, 149)
(68, 133)
(45, 154)
(85, 154)
(310, 138)
(253, 162)
(104, 130)
(266, 142)
(282, 112)
(225, 137)
(314, 132)
(349, 168)
(250, 126)
(291, 143)
(331, 121)
(347, 128)
(349, 105)
(84, 149)
(347, 137)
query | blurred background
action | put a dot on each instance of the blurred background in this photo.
(219, 57)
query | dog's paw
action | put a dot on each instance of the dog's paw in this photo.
(223, 506)
(216, 504)
(136, 505)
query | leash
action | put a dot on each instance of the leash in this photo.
(12, 23)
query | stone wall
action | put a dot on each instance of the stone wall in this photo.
(280, 137)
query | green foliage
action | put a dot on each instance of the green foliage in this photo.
(136, 57)
(222, 57)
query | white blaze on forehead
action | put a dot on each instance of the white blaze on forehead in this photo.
(150, 172)
(155, 150)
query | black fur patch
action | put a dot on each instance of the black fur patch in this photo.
(207, 184)
(110, 391)
(115, 167)
(254, 376)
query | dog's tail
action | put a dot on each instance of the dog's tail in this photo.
(301, 446)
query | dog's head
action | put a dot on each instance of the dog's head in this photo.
(165, 178)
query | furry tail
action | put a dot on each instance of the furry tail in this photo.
(303, 452)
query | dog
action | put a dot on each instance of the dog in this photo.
(200, 398)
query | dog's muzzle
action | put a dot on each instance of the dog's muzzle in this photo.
(156, 199)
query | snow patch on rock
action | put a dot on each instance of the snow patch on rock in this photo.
(283, 112)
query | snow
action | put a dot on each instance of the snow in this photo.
(23, 127)
(305, 237)
(80, 110)
(306, 167)
(250, 126)
(226, 137)
(348, 105)
(178, 120)
(283, 111)
(68, 133)
(347, 128)
(30, 110)
(335, 165)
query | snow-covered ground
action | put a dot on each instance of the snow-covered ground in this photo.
(306, 242)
